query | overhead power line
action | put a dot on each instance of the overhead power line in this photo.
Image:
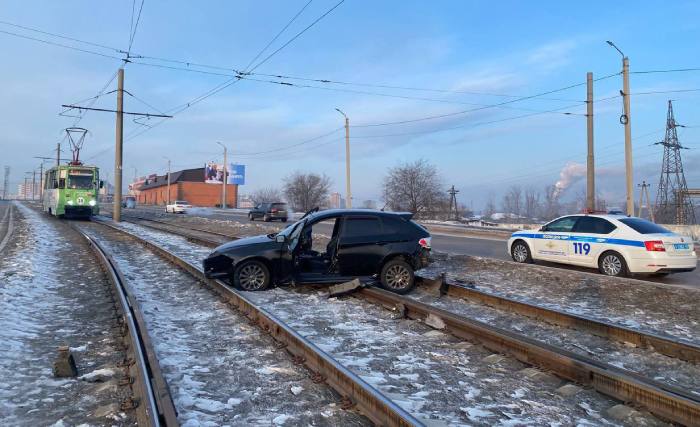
(456, 113)
(279, 33)
(135, 27)
(59, 45)
(296, 36)
(388, 95)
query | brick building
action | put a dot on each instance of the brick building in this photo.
(186, 185)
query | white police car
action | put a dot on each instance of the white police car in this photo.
(616, 244)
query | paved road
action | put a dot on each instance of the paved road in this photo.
(475, 246)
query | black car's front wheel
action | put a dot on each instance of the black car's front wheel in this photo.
(252, 276)
(250, 217)
(397, 276)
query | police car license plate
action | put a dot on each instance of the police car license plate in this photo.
(681, 246)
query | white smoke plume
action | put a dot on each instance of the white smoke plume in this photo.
(570, 174)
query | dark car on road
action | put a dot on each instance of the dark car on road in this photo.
(269, 211)
(365, 244)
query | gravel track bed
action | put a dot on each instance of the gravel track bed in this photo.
(219, 368)
(53, 293)
(646, 362)
(436, 377)
(671, 312)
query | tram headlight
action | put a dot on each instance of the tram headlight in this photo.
(92, 203)
(69, 202)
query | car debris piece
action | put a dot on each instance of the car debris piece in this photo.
(344, 288)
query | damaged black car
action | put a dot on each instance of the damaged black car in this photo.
(328, 247)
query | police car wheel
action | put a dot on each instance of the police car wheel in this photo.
(612, 264)
(520, 252)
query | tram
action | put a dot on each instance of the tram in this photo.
(71, 191)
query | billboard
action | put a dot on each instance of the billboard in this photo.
(214, 173)
(236, 174)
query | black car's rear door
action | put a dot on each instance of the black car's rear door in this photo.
(360, 248)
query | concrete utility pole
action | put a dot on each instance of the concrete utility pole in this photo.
(5, 182)
(168, 197)
(58, 154)
(223, 191)
(41, 179)
(590, 165)
(33, 184)
(117, 199)
(625, 120)
(348, 195)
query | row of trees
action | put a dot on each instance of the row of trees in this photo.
(413, 187)
(418, 188)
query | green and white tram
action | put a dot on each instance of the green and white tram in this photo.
(71, 191)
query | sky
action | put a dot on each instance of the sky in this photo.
(448, 57)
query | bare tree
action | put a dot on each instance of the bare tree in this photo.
(551, 203)
(532, 203)
(513, 200)
(490, 208)
(266, 195)
(305, 191)
(415, 187)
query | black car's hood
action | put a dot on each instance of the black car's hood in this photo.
(245, 242)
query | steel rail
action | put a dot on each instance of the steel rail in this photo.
(670, 347)
(371, 403)
(154, 403)
(189, 236)
(10, 226)
(663, 400)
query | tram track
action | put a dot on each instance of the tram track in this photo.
(7, 226)
(667, 401)
(323, 368)
(152, 400)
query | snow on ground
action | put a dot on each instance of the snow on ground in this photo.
(640, 305)
(651, 364)
(219, 368)
(434, 376)
(52, 294)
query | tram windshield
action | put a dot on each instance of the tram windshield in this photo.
(80, 182)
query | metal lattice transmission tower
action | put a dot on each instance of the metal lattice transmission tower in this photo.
(453, 203)
(5, 183)
(672, 202)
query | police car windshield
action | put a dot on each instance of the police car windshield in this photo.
(643, 226)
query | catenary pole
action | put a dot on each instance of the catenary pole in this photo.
(628, 134)
(117, 202)
(168, 196)
(590, 165)
(348, 191)
(626, 121)
(58, 154)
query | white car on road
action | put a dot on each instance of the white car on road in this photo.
(615, 244)
(178, 206)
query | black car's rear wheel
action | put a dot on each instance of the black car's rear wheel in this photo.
(397, 276)
(252, 276)
(266, 218)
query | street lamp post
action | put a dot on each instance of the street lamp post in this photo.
(626, 121)
(348, 195)
(223, 191)
(168, 190)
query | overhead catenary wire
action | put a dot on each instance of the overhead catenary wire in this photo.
(132, 35)
(388, 95)
(279, 33)
(456, 113)
(296, 36)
